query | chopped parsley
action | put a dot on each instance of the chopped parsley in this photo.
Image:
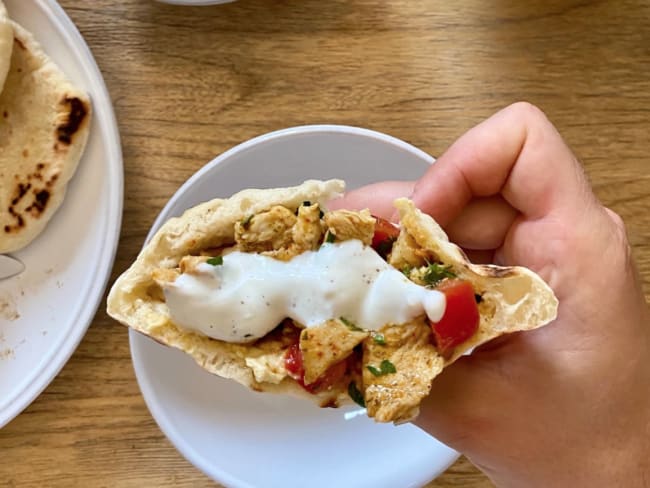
(246, 222)
(218, 261)
(355, 394)
(385, 367)
(350, 325)
(406, 270)
(379, 338)
(435, 273)
(330, 237)
(307, 203)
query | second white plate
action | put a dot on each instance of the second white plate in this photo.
(245, 439)
(46, 310)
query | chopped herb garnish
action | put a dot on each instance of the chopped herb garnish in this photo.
(330, 237)
(355, 394)
(307, 203)
(379, 338)
(246, 222)
(406, 270)
(435, 273)
(218, 261)
(350, 325)
(385, 367)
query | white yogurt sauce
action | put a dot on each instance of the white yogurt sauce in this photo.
(248, 295)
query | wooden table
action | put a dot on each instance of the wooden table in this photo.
(189, 83)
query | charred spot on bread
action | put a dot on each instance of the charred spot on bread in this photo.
(39, 203)
(21, 191)
(498, 272)
(20, 205)
(77, 112)
(330, 403)
(20, 43)
(40, 200)
(19, 221)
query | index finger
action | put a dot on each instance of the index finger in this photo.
(377, 197)
(517, 153)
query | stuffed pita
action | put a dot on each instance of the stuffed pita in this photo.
(43, 132)
(396, 304)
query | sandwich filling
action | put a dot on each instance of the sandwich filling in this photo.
(284, 296)
(345, 294)
(241, 297)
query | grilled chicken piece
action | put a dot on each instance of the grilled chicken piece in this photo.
(188, 264)
(266, 231)
(307, 232)
(395, 396)
(163, 276)
(326, 345)
(406, 253)
(345, 224)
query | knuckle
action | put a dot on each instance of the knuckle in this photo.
(616, 219)
(528, 110)
(619, 226)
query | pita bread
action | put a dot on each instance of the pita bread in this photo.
(6, 43)
(44, 125)
(512, 299)
(133, 302)
(515, 298)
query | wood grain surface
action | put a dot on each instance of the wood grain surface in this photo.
(188, 83)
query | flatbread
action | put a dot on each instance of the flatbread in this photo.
(512, 299)
(44, 125)
(6, 43)
(208, 225)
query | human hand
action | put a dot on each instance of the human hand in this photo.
(567, 404)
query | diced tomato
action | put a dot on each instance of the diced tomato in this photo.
(293, 363)
(461, 317)
(384, 236)
(329, 378)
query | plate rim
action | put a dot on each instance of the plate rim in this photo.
(278, 134)
(146, 387)
(106, 124)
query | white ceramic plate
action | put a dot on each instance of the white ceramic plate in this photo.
(67, 266)
(245, 439)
